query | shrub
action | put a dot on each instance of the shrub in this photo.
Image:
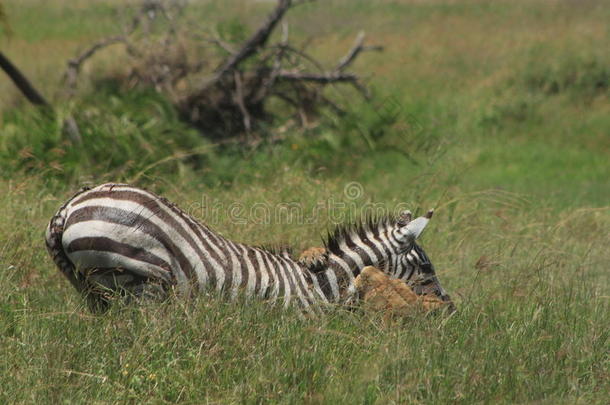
(121, 135)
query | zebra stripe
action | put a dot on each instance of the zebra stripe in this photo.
(388, 244)
(131, 230)
(118, 230)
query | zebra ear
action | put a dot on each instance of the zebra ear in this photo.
(414, 229)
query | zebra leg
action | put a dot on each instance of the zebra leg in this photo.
(148, 290)
(109, 283)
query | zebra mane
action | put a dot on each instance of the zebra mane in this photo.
(344, 232)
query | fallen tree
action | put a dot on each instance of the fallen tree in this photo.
(229, 97)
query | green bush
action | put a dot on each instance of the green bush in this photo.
(122, 135)
(575, 74)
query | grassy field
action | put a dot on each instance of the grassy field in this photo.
(496, 113)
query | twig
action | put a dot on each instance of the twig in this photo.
(286, 98)
(302, 54)
(256, 41)
(285, 33)
(269, 81)
(71, 130)
(239, 100)
(222, 44)
(322, 78)
(338, 110)
(335, 76)
(356, 49)
(70, 77)
(351, 55)
(216, 40)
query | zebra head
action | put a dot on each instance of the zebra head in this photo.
(411, 263)
(387, 243)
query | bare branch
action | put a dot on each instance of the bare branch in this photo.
(256, 41)
(285, 33)
(322, 78)
(70, 76)
(221, 44)
(269, 81)
(338, 110)
(22, 83)
(239, 100)
(71, 130)
(302, 54)
(351, 55)
(356, 49)
(148, 9)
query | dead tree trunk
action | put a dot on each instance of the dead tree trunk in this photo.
(69, 128)
(22, 83)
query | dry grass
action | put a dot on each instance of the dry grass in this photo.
(507, 139)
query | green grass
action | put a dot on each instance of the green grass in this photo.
(494, 113)
(532, 320)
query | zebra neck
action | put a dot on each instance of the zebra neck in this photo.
(335, 282)
(371, 245)
(337, 277)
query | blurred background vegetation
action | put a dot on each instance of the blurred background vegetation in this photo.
(505, 99)
(497, 113)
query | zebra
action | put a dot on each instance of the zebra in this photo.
(120, 238)
(387, 243)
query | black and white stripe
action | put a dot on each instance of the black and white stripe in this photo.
(124, 238)
(387, 243)
(146, 239)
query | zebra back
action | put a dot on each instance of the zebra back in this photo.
(118, 236)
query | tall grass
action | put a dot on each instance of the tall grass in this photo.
(531, 290)
(494, 113)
